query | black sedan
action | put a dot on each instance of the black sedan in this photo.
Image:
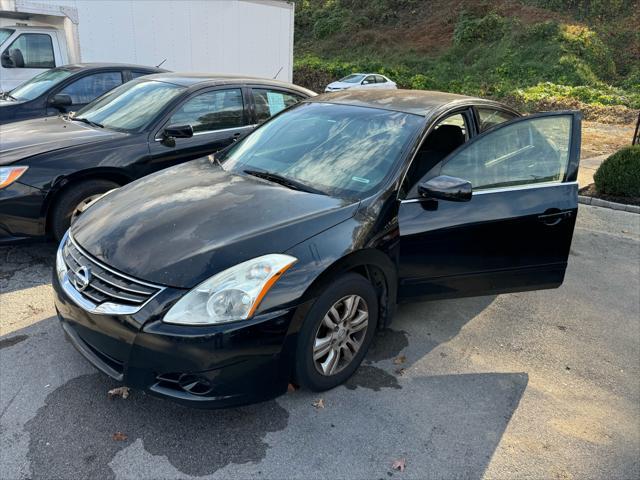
(51, 169)
(218, 282)
(65, 89)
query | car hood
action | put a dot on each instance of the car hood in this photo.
(182, 225)
(21, 140)
(342, 85)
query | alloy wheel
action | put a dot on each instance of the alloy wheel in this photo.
(83, 205)
(340, 335)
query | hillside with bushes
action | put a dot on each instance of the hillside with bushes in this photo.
(534, 54)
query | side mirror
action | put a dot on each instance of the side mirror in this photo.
(365, 82)
(60, 101)
(444, 187)
(178, 131)
(6, 61)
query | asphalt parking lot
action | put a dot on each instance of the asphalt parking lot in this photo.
(531, 385)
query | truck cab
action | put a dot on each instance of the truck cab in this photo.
(26, 51)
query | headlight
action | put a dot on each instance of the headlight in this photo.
(231, 295)
(8, 175)
(61, 267)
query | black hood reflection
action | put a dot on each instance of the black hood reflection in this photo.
(184, 224)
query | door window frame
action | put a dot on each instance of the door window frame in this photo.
(571, 173)
(173, 108)
(24, 34)
(72, 79)
(288, 91)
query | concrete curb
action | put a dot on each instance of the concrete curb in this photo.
(596, 202)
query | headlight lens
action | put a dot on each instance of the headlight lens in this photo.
(61, 267)
(8, 175)
(231, 295)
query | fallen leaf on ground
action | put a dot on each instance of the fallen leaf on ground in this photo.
(399, 464)
(118, 392)
(292, 388)
(119, 437)
(318, 403)
(399, 360)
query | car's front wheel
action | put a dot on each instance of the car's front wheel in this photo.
(74, 201)
(337, 333)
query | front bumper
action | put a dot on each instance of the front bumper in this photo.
(21, 213)
(209, 367)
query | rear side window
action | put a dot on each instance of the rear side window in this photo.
(270, 102)
(88, 88)
(530, 151)
(136, 74)
(490, 118)
(380, 79)
(30, 50)
(209, 111)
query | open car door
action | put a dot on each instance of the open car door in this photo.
(511, 229)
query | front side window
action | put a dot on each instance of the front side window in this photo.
(530, 151)
(90, 87)
(209, 111)
(30, 50)
(340, 150)
(4, 34)
(369, 79)
(489, 118)
(131, 106)
(40, 84)
(270, 102)
(354, 78)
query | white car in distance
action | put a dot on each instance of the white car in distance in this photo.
(361, 80)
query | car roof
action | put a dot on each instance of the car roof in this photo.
(99, 65)
(212, 79)
(417, 102)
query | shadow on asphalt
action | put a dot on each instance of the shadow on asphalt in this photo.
(455, 421)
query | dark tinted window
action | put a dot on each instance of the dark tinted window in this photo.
(90, 87)
(369, 79)
(269, 102)
(137, 73)
(380, 79)
(31, 50)
(490, 117)
(213, 110)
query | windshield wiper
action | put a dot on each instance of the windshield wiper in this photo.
(87, 121)
(8, 95)
(287, 182)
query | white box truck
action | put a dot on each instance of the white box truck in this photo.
(248, 37)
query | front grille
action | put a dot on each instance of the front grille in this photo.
(105, 284)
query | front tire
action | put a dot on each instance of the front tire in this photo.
(74, 201)
(337, 333)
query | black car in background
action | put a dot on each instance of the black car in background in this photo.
(66, 89)
(51, 169)
(217, 282)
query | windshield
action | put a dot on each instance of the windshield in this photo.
(340, 150)
(4, 34)
(131, 106)
(354, 78)
(39, 84)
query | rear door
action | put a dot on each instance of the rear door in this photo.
(515, 232)
(218, 117)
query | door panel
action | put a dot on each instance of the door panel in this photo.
(507, 238)
(218, 118)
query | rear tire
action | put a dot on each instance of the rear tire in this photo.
(332, 341)
(73, 201)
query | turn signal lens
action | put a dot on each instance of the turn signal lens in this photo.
(8, 175)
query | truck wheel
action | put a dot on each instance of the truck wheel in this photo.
(337, 333)
(75, 200)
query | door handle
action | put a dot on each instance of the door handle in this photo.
(553, 217)
(236, 136)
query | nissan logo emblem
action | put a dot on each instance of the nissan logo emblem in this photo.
(82, 278)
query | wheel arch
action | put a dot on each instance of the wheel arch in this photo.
(64, 183)
(374, 265)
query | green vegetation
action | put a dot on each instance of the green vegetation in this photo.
(620, 173)
(485, 51)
